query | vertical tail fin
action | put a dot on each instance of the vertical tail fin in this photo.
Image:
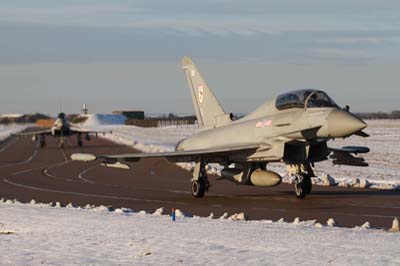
(208, 110)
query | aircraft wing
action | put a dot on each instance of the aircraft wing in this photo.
(173, 156)
(89, 131)
(344, 156)
(33, 133)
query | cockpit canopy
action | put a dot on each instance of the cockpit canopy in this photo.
(304, 99)
(61, 115)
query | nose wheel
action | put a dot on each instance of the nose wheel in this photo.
(42, 141)
(302, 186)
(79, 140)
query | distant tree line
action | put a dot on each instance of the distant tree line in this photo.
(31, 118)
(380, 115)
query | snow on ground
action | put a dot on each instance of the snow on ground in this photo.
(384, 157)
(104, 119)
(7, 130)
(37, 234)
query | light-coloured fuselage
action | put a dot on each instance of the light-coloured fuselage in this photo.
(273, 129)
(61, 126)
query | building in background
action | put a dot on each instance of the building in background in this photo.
(138, 115)
(175, 121)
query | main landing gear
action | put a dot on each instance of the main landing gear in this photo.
(302, 182)
(42, 141)
(80, 142)
(200, 183)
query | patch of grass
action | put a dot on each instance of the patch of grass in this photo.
(79, 119)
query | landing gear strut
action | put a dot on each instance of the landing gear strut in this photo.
(61, 143)
(42, 141)
(307, 183)
(200, 183)
(80, 143)
(301, 186)
(302, 182)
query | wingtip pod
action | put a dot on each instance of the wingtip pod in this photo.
(186, 62)
(83, 157)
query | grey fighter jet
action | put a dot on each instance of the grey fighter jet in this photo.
(293, 128)
(60, 129)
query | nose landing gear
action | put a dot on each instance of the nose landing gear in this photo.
(42, 141)
(302, 182)
(80, 142)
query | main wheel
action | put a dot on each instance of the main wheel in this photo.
(307, 184)
(300, 189)
(198, 188)
(42, 144)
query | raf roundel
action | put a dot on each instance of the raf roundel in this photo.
(201, 93)
(264, 123)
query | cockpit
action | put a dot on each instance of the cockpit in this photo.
(61, 116)
(304, 99)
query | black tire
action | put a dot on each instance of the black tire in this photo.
(307, 184)
(198, 188)
(300, 190)
(42, 144)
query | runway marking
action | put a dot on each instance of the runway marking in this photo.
(64, 155)
(48, 174)
(28, 170)
(8, 144)
(90, 195)
(66, 161)
(46, 169)
(34, 154)
(80, 176)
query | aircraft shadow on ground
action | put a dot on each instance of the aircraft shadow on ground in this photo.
(95, 146)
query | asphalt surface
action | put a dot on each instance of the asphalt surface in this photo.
(48, 175)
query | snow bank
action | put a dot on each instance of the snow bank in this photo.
(36, 234)
(7, 130)
(147, 139)
(95, 120)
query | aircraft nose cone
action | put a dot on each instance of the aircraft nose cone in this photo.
(343, 124)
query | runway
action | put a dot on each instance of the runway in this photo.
(48, 175)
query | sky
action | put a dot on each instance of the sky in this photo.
(57, 55)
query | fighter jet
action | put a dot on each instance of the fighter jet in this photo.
(60, 129)
(294, 128)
